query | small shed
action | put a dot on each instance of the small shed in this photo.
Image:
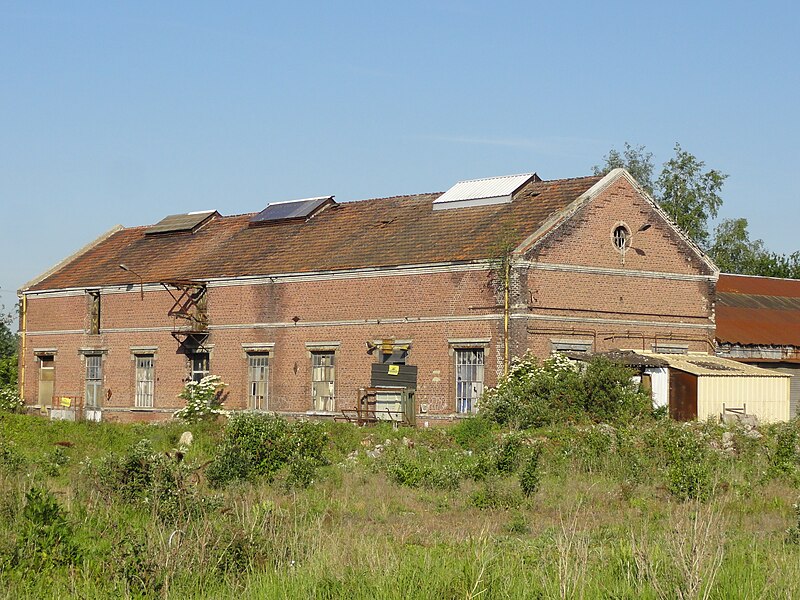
(703, 385)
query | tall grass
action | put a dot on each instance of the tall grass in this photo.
(601, 522)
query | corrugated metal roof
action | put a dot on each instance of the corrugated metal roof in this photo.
(710, 366)
(758, 311)
(183, 222)
(488, 190)
(762, 286)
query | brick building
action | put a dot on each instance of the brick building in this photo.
(300, 306)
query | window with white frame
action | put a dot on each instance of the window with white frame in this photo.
(145, 380)
(198, 363)
(469, 364)
(94, 380)
(323, 380)
(258, 380)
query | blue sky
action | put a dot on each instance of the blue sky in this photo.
(115, 113)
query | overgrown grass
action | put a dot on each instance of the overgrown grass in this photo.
(471, 511)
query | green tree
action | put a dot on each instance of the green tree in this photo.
(690, 196)
(733, 251)
(8, 351)
(634, 159)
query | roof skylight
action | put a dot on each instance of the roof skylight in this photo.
(481, 192)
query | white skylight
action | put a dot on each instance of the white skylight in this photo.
(480, 192)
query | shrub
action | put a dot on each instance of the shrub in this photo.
(783, 456)
(9, 399)
(609, 393)
(149, 479)
(473, 433)
(258, 445)
(46, 537)
(203, 399)
(491, 496)
(424, 468)
(534, 394)
(11, 460)
(508, 452)
(530, 475)
(689, 466)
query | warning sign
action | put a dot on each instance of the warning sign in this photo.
(394, 369)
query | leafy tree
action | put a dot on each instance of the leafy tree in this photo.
(634, 159)
(8, 352)
(688, 195)
(683, 190)
(734, 252)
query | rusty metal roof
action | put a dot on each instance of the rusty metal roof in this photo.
(709, 365)
(760, 286)
(383, 232)
(763, 311)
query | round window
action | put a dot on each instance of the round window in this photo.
(621, 237)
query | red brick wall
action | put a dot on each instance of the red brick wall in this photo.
(591, 301)
(420, 307)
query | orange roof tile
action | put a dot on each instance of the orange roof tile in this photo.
(400, 230)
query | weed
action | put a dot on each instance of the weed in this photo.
(530, 475)
(46, 537)
(492, 496)
(473, 433)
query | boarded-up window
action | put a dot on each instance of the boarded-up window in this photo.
(94, 380)
(47, 379)
(469, 378)
(571, 345)
(258, 380)
(145, 380)
(323, 380)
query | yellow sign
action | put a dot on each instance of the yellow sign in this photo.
(66, 402)
(394, 369)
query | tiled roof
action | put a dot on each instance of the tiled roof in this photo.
(401, 230)
(758, 310)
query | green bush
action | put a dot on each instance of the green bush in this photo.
(438, 470)
(783, 456)
(257, 445)
(492, 496)
(689, 467)
(508, 452)
(534, 394)
(46, 538)
(11, 460)
(473, 433)
(530, 475)
(149, 479)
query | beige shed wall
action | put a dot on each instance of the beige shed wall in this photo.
(765, 397)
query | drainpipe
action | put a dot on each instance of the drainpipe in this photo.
(23, 344)
(506, 311)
